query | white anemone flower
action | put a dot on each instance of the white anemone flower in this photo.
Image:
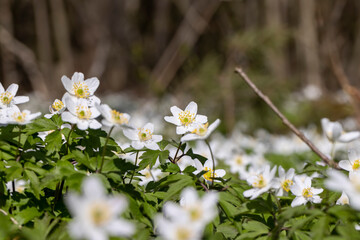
(238, 164)
(79, 88)
(177, 230)
(335, 133)
(112, 117)
(337, 181)
(95, 214)
(19, 185)
(261, 182)
(21, 117)
(343, 200)
(149, 175)
(353, 164)
(202, 210)
(143, 137)
(184, 160)
(210, 174)
(8, 98)
(81, 114)
(285, 181)
(185, 120)
(304, 192)
(57, 107)
(201, 131)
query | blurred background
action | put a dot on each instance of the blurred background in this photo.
(304, 54)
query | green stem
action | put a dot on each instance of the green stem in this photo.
(104, 150)
(68, 138)
(177, 151)
(332, 154)
(213, 161)
(136, 160)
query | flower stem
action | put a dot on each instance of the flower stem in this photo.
(68, 138)
(332, 154)
(104, 150)
(213, 161)
(177, 152)
(136, 160)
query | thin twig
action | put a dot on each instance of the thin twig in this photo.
(284, 119)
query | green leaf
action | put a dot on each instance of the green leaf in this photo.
(27, 215)
(34, 182)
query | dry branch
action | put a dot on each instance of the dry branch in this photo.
(28, 60)
(285, 120)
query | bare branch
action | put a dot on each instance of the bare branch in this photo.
(285, 120)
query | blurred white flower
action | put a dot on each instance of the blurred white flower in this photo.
(343, 200)
(238, 164)
(81, 114)
(210, 174)
(304, 192)
(186, 120)
(96, 215)
(19, 185)
(149, 175)
(261, 182)
(8, 99)
(335, 133)
(143, 137)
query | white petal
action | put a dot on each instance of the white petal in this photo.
(173, 120)
(131, 134)
(298, 201)
(201, 119)
(157, 138)
(2, 89)
(151, 145)
(94, 112)
(94, 124)
(93, 84)
(190, 137)
(13, 88)
(70, 103)
(220, 173)
(188, 196)
(120, 227)
(336, 131)
(77, 77)
(137, 145)
(175, 111)
(21, 99)
(33, 116)
(68, 84)
(353, 155)
(192, 108)
(93, 188)
(250, 192)
(296, 189)
(281, 172)
(180, 130)
(68, 117)
(348, 137)
(346, 165)
(149, 126)
(82, 124)
(317, 190)
(316, 199)
(172, 210)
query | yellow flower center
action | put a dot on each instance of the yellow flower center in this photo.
(186, 118)
(100, 213)
(118, 118)
(6, 98)
(57, 105)
(307, 193)
(19, 117)
(260, 182)
(201, 130)
(183, 234)
(210, 174)
(238, 160)
(144, 134)
(287, 184)
(81, 90)
(195, 213)
(83, 112)
(356, 164)
(20, 189)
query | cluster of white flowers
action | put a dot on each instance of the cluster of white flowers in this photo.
(9, 111)
(187, 220)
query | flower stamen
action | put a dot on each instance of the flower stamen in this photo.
(201, 130)
(19, 117)
(287, 184)
(81, 90)
(83, 112)
(144, 134)
(307, 193)
(260, 183)
(119, 118)
(6, 98)
(186, 118)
